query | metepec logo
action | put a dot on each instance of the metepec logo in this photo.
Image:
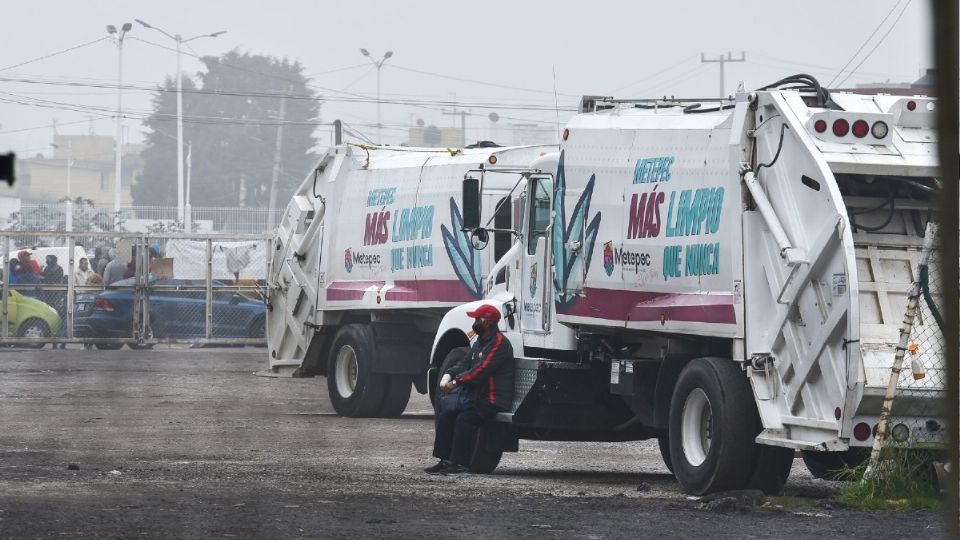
(351, 259)
(631, 261)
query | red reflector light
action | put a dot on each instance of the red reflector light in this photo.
(841, 127)
(820, 126)
(837, 413)
(911, 105)
(102, 304)
(861, 431)
(860, 129)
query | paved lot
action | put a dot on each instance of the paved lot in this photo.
(188, 443)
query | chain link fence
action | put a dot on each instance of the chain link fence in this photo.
(109, 289)
(918, 407)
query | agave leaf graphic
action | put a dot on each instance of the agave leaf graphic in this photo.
(464, 258)
(568, 263)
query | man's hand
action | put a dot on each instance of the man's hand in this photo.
(447, 388)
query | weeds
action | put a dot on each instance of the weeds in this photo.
(903, 479)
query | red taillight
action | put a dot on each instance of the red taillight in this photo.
(841, 127)
(837, 413)
(820, 126)
(861, 431)
(860, 129)
(102, 304)
(911, 105)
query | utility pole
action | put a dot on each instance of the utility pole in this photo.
(379, 66)
(723, 60)
(275, 177)
(187, 209)
(118, 143)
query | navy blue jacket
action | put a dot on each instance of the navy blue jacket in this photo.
(486, 373)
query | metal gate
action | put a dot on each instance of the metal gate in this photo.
(158, 288)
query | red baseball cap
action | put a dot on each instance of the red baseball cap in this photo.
(485, 311)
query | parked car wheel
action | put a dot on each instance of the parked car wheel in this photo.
(34, 328)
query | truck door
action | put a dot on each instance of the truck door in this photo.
(536, 265)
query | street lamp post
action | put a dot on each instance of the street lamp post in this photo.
(379, 65)
(118, 143)
(180, 41)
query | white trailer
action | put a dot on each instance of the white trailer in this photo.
(369, 256)
(727, 276)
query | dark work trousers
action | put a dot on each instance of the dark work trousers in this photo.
(457, 421)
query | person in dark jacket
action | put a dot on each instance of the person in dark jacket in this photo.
(474, 389)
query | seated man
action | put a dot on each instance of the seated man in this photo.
(473, 391)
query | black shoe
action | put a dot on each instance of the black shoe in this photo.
(455, 469)
(438, 468)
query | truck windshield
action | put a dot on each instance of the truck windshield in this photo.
(539, 212)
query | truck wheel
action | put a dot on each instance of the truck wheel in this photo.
(355, 390)
(834, 465)
(484, 459)
(712, 425)
(396, 397)
(664, 443)
(772, 468)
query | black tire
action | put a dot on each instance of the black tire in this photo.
(33, 328)
(834, 465)
(664, 443)
(722, 450)
(771, 468)
(108, 346)
(397, 396)
(484, 459)
(454, 355)
(138, 347)
(355, 391)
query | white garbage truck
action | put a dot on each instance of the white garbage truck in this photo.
(727, 276)
(369, 256)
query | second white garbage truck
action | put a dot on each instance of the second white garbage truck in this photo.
(727, 276)
(369, 256)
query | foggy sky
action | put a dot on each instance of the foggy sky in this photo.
(625, 49)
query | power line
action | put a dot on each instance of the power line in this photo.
(360, 98)
(51, 55)
(474, 81)
(648, 78)
(864, 44)
(882, 38)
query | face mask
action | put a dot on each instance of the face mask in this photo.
(478, 326)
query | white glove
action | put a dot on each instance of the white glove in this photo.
(445, 379)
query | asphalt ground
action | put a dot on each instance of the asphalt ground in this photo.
(188, 443)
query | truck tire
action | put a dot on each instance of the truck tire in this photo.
(355, 390)
(397, 396)
(712, 427)
(664, 443)
(834, 465)
(484, 459)
(771, 469)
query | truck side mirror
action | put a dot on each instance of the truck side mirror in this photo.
(471, 203)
